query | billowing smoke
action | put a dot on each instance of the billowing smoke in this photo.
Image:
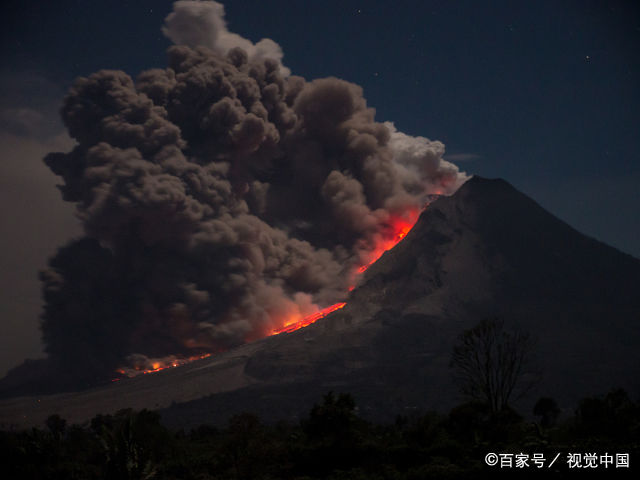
(219, 196)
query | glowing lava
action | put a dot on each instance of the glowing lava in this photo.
(156, 365)
(294, 324)
(396, 228)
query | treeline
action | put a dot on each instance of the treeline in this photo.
(332, 442)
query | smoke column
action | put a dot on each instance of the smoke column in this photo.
(219, 196)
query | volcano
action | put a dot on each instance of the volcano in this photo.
(486, 251)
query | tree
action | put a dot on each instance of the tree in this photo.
(246, 445)
(547, 409)
(133, 443)
(334, 420)
(56, 425)
(491, 363)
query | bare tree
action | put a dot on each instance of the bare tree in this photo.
(492, 364)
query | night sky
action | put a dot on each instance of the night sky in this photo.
(542, 93)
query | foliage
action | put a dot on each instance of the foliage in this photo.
(332, 442)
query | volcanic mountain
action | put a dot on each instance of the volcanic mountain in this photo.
(486, 251)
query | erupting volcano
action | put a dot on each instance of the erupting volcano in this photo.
(222, 199)
(487, 249)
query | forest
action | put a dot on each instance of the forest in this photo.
(334, 442)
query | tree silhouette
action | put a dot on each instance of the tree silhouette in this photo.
(547, 409)
(133, 442)
(490, 363)
(334, 420)
(245, 445)
(56, 425)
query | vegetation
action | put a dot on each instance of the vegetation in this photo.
(333, 442)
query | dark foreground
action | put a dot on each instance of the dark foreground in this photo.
(332, 442)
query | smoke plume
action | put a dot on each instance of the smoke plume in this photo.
(219, 196)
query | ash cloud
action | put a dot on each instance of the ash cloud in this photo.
(202, 23)
(219, 196)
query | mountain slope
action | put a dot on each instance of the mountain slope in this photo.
(488, 250)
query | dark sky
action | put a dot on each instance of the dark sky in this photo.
(542, 93)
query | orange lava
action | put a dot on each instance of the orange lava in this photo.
(395, 230)
(294, 324)
(158, 365)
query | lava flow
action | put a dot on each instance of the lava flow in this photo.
(294, 325)
(397, 228)
(156, 365)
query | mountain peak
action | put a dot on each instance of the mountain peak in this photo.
(482, 186)
(476, 181)
(494, 194)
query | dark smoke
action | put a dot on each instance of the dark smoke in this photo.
(218, 197)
